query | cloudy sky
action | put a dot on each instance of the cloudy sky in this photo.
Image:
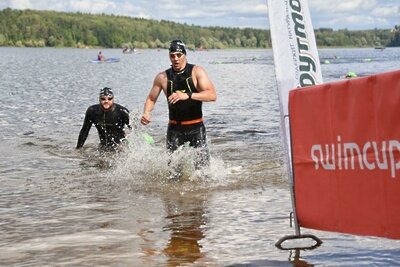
(336, 14)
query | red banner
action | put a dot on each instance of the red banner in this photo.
(346, 155)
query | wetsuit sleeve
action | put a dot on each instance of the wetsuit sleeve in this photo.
(83, 134)
(125, 117)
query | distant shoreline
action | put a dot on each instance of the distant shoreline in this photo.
(32, 28)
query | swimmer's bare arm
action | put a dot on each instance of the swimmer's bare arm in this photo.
(204, 86)
(158, 85)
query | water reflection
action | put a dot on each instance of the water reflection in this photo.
(296, 260)
(147, 246)
(186, 221)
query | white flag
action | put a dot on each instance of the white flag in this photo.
(295, 53)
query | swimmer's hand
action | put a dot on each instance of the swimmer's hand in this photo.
(146, 118)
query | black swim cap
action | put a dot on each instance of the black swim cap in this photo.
(177, 46)
(106, 91)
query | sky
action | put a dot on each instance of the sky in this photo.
(335, 14)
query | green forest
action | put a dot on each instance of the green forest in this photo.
(31, 28)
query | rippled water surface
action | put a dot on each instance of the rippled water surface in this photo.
(62, 207)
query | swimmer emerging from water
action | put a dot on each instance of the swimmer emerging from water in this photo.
(110, 120)
(186, 87)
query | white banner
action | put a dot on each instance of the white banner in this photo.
(295, 53)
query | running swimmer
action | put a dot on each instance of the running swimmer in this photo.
(186, 86)
(110, 120)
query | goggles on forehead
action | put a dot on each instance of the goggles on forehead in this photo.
(177, 46)
(106, 91)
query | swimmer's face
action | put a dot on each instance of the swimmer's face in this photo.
(178, 60)
(106, 102)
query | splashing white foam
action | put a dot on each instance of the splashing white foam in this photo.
(145, 166)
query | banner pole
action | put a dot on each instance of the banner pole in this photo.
(297, 64)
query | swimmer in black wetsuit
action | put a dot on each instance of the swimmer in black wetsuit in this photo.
(109, 119)
(186, 87)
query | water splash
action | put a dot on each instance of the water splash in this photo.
(147, 166)
(144, 165)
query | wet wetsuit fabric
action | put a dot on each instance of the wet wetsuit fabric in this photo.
(109, 124)
(185, 110)
(195, 134)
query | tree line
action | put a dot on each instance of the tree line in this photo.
(31, 28)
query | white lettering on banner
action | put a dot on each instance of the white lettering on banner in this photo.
(347, 156)
(307, 61)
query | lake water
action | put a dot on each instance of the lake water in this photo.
(62, 207)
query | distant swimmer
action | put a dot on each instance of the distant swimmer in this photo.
(110, 120)
(100, 56)
(351, 74)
